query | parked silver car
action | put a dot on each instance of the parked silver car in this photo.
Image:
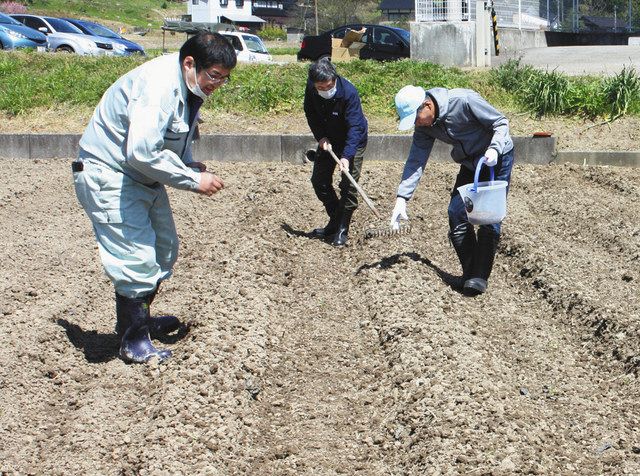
(65, 37)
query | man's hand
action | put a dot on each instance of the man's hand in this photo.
(324, 143)
(199, 166)
(399, 213)
(344, 165)
(209, 184)
(492, 157)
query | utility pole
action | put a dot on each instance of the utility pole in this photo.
(316, 5)
(630, 26)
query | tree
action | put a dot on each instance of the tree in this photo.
(333, 13)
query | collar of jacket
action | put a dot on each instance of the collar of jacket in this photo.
(182, 81)
(440, 97)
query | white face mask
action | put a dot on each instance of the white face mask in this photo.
(196, 89)
(328, 94)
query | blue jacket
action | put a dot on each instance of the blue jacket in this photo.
(467, 122)
(339, 119)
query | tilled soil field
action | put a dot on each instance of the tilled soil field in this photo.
(305, 359)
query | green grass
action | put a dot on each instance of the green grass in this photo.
(130, 12)
(29, 80)
(283, 50)
(553, 93)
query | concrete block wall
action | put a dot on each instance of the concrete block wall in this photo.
(291, 148)
(513, 41)
(264, 148)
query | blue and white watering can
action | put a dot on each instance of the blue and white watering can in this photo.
(485, 202)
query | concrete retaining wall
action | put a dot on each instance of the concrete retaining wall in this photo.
(513, 40)
(447, 43)
(264, 148)
(291, 148)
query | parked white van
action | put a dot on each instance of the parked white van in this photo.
(249, 48)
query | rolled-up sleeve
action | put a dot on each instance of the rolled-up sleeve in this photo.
(144, 152)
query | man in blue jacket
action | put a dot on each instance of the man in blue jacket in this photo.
(334, 113)
(475, 129)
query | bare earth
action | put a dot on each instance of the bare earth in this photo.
(304, 359)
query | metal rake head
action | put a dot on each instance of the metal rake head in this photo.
(386, 232)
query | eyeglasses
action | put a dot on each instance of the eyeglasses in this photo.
(217, 78)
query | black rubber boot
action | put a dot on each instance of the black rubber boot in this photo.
(330, 228)
(463, 239)
(343, 229)
(123, 318)
(136, 345)
(161, 326)
(483, 261)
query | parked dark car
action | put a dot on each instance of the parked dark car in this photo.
(382, 43)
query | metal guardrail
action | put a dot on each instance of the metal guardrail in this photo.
(556, 15)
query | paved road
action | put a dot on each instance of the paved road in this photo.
(577, 60)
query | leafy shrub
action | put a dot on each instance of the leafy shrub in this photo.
(272, 33)
(585, 97)
(284, 50)
(512, 75)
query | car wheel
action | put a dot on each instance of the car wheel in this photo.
(65, 49)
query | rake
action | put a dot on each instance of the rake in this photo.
(371, 232)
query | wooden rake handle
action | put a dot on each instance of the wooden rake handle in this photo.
(355, 184)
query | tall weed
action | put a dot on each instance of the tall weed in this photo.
(622, 92)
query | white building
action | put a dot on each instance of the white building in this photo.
(237, 12)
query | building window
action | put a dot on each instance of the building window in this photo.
(268, 4)
(224, 3)
(239, 3)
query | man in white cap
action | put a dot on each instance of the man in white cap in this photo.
(475, 129)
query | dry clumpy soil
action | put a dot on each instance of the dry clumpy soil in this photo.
(305, 359)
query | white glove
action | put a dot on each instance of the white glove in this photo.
(399, 212)
(492, 157)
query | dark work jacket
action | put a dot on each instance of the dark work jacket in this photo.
(339, 119)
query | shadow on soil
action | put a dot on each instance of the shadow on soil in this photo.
(100, 348)
(97, 348)
(454, 282)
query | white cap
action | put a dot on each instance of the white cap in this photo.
(408, 100)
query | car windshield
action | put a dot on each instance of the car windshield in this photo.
(7, 20)
(254, 44)
(100, 30)
(62, 26)
(403, 33)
